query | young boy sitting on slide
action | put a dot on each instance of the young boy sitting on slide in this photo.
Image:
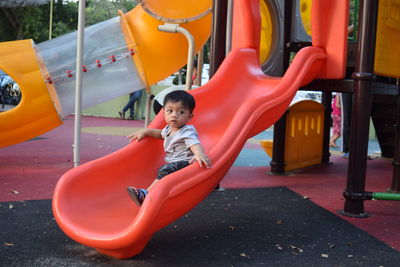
(181, 142)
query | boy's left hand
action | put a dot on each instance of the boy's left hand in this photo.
(202, 159)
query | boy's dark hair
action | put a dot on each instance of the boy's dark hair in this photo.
(181, 96)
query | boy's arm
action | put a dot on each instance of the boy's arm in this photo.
(200, 156)
(140, 134)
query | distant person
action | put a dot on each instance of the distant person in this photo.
(347, 105)
(337, 120)
(133, 97)
(181, 142)
(194, 74)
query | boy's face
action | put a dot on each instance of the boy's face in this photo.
(176, 115)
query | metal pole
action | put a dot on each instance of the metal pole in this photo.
(363, 78)
(149, 102)
(78, 86)
(395, 187)
(326, 102)
(200, 64)
(278, 146)
(229, 19)
(189, 68)
(218, 35)
(51, 20)
(173, 28)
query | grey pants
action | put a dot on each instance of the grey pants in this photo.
(171, 167)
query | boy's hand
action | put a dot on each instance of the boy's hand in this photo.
(138, 135)
(202, 159)
(200, 156)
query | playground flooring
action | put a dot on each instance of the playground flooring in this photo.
(257, 219)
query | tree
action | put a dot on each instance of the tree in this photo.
(21, 21)
(32, 22)
(100, 10)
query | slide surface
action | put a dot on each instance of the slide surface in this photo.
(90, 202)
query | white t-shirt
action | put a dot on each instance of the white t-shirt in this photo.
(177, 146)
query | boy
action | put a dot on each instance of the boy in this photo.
(181, 142)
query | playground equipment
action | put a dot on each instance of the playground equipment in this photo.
(303, 136)
(46, 76)
(372, 85)
(90, 202)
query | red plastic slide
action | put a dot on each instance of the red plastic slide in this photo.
(90, 202)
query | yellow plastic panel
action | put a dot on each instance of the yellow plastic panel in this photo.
(159, 54)
(387, 49)
(266, 32)
(36, 113)
(305, 14)
(304, 133)
(268, 146)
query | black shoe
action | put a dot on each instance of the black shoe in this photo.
(121, 115)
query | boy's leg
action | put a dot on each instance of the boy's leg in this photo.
(138, 195)
(171, 167)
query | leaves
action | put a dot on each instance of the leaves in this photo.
(33, 22)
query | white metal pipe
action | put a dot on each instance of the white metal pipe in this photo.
(229, 17)
(78, 86)
(51, 20)
(149, 103)
(174, 28)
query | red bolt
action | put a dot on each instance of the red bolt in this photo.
(98, 63)
(132, 52)
(49, 80)
(84, 68)
(113, 58)
(69, 73)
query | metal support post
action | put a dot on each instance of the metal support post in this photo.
(363, 78)
(327, 103)
(78, 86)
(278, 147)
(395, 187)
(218, 36)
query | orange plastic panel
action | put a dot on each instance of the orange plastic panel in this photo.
(239, 102)
(387, 49)
(36, 113)
(329, 31)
